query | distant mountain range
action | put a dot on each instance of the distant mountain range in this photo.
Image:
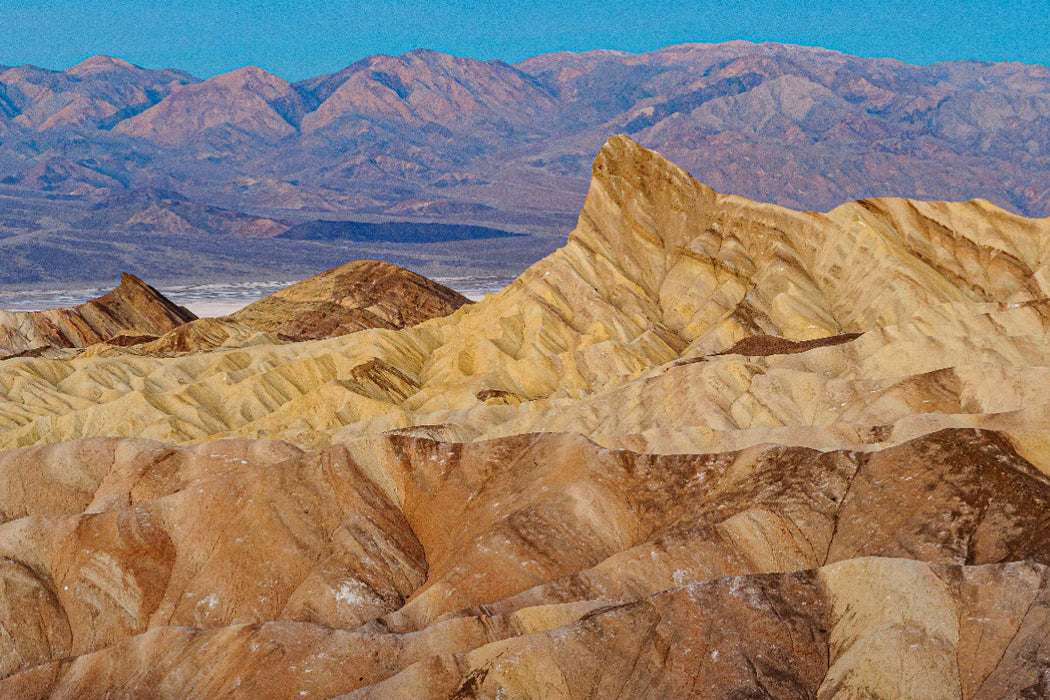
(431, 137)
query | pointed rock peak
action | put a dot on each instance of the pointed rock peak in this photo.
(436, 59)
(251, 78)
(132, 287)
(641, 209)
(621, 152)
(133, 293)
(128, 280)
(99, 64)
(426, 55)
(251, 72)
(627, 174)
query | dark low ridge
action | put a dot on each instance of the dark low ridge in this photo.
(391, 232)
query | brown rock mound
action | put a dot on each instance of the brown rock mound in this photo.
(355, 296)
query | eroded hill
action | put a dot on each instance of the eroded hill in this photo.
(660, 277)
(709, 448)
(132, 309)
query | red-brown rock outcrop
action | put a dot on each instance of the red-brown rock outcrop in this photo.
(358, 295)
(133, 308)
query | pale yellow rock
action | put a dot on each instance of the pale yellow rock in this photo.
(894, 634)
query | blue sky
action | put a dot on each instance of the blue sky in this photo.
(298, 39)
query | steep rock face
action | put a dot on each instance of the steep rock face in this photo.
(132, 308)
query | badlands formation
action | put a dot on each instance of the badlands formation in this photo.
(133, 307)
(709, 448)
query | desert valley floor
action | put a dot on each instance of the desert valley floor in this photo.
(709, 448)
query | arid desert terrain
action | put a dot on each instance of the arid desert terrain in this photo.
(709, 447)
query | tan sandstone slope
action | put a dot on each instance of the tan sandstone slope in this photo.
(710, 448)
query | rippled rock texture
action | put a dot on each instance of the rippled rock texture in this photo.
(542, 565)
(710, 448)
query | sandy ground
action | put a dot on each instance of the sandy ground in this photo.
(207, 308)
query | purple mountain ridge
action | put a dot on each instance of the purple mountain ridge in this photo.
(430, 137)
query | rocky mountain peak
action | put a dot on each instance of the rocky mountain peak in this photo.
(640, 210)
(247, 100)
(252, 78)
(100, 64)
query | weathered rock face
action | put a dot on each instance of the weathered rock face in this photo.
(407, 567)
(133, 308)
(359, 295)
(710, 448)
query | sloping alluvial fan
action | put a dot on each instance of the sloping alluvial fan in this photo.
(709, 448)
